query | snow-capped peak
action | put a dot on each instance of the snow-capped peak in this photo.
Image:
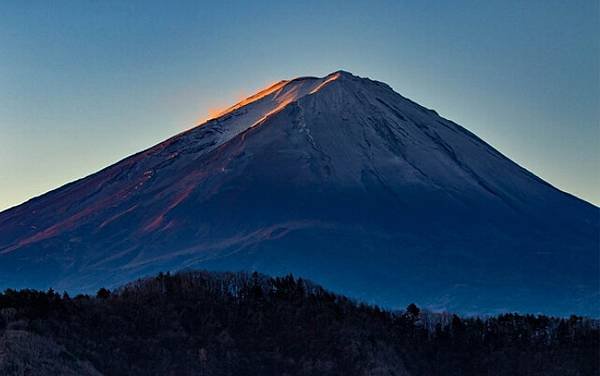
(313, 175)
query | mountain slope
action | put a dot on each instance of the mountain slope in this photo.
(339, 179)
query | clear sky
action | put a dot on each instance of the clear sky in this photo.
(85, 83)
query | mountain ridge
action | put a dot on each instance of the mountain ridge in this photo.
(268, 88)
(318, 163)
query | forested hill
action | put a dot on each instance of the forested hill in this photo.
(199, 323)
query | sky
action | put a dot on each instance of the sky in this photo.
(84, 84)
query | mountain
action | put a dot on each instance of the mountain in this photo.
(219, 324)
(338, 179)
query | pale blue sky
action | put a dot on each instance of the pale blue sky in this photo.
(86, 83)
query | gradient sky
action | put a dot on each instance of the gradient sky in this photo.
(85, 83)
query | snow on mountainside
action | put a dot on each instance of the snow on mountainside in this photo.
(338, 179)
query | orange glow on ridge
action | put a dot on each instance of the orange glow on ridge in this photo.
(214, 113)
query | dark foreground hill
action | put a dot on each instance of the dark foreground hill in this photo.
(200, 323)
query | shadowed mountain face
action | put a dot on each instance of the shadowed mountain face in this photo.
(338, 179)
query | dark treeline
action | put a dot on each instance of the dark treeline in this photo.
(199, 323)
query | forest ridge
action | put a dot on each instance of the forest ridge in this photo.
(205, 323)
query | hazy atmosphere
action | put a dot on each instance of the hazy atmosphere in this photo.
(86, 83)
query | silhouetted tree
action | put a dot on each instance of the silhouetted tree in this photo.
(103, 293)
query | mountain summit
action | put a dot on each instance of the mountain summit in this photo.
(338, 179)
